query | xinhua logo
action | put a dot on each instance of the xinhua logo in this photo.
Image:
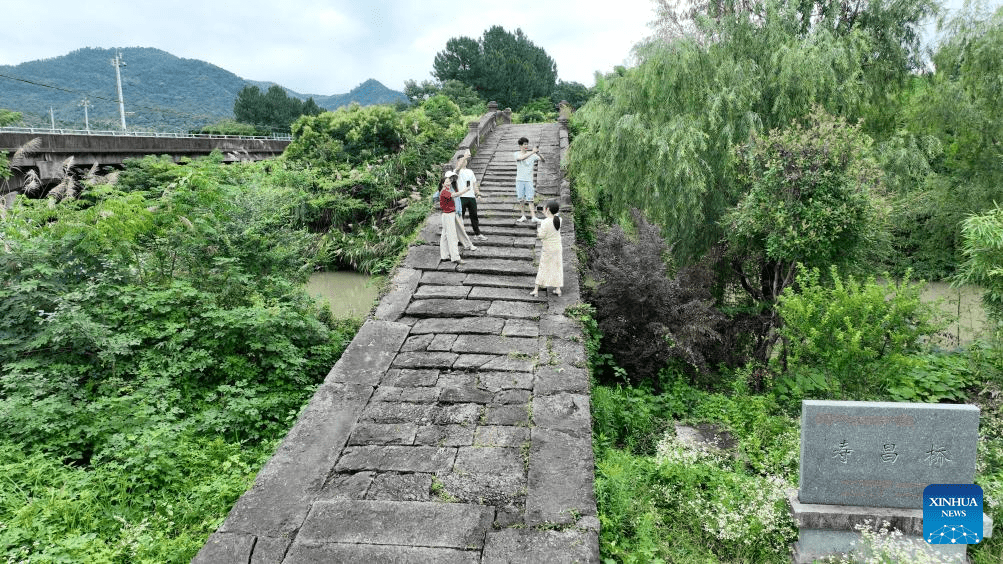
(952, 514)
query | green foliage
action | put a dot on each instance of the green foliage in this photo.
(660, 136)
(232, 127)
(989, 465)
(369, 214)
(678, 503)
(634, 418)
(983, 251)
(51, 512)
(810, 198)
(463, 95)
(934, 378)
(349, 135)
(574, 93)
(924, 218)
(537, 111)
(273, 109)
(503, 67)
(417, 93)
(849, 339)
(8, 117)
(955, 111)
(631, 528)
(155, 336)
(441, 110)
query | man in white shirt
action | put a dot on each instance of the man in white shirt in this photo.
(524, 161)
(469, 190)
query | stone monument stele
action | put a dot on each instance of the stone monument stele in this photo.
(870, 461)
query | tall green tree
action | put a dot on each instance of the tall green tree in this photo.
(273, 109)
(947, 156)
(574, 93)
(502, 66)
(660, 136)
(810, 198)
(462, 60)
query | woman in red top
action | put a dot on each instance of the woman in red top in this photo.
(448, 244)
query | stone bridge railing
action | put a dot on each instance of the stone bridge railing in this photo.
(478, 130)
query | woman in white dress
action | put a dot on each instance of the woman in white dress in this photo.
(551, 271)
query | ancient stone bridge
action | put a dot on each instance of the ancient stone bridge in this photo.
(455, 428)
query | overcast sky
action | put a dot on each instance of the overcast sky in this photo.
(328, 46)
(331, 46)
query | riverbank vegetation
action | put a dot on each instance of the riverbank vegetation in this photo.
(156, 340)
(758, 202)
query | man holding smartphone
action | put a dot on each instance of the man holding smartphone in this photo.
(524, 161)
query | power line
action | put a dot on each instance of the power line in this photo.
(114, 101)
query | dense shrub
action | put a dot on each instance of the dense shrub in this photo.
(662, 501)
(352, 135)
(233, 127)
(849, 338)
(646, 317)
(441, 110)
(155, 342)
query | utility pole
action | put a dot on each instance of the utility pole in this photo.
(118, 62)
(86, 104)
(52, 119)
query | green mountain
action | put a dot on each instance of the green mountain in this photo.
(161, 91)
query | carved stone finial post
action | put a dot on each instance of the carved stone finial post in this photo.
(492, 106)
(507, 115)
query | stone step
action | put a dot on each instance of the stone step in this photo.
(451, 307)
(485, 251)
(383, 525)
(514, 229)
(476, 279)
(473, 265)
(433, 291)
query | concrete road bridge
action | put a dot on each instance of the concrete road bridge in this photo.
(114, 147)
(456, 427)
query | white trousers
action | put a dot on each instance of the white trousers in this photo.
(452, 234)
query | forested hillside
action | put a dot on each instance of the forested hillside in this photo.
(161, 91)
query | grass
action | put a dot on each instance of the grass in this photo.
(662, 502)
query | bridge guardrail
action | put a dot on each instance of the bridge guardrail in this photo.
(59, 131)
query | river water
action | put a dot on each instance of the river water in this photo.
(965, 303)
(349, 294)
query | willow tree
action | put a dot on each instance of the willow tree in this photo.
(659, 136)
(958, 111)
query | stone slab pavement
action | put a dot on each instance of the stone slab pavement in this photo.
(455, 428)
